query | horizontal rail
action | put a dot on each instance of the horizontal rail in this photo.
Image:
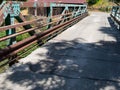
(48, 4)
(26, 23)
(19, 24)
(28, 30)
(116, 20)
(13, 49)
(115, 15)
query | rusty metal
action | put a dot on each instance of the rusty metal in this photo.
(44, 36)
(13, 49)
(26, 23)
(32, 29)
(19, 24)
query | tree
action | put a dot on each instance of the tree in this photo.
(91, 2)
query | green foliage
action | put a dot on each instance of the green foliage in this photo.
(105, 9)
(91, 2)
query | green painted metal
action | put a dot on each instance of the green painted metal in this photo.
(2, 4)
(14, 10)
(50, 13)
(63, 12)
(9, 21)
(116, 14)
(35, 6)
(64, 5)
(73, 12)
(78, 12)
(66, 8)
(26, 26)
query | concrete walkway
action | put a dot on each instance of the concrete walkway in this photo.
(84, 57)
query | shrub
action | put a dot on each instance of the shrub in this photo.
(91, 2)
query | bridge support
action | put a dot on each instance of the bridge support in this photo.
(115, 14)
(14, 10)
(9, 21)
(67, 16)
(80, 9)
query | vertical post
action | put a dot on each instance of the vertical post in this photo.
(9, 21)
(119, 14)
(73, 13)
(35, 5)
(83, 11)
(116, 11)
(50, 13)
(13, 11)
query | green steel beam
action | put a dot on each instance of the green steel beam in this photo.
(63, 12)
(64, 5)
(49, 15)
(116, 14)
(9, 21)
(13, 10)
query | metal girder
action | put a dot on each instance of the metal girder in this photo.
(64, 5)
(115, 13)
(13, 49)
(9, 12)
(49, 15)
(12, 10)
(78, 12)
(63, 16)
(9, 21)
(81, 9)
(20, 19)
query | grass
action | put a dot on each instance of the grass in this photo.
(3, 43)
(3, 67)
(103, 5)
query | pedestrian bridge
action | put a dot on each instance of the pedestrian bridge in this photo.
(85, 56)
(80, 53)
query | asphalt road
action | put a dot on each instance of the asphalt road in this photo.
(84, 57)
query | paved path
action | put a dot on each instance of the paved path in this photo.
(84, 57)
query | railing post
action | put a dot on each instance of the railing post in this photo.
(115, 13)
(35, 6)
(73, 13)
(49, 15)
(14, 10)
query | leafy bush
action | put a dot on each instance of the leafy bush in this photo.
(91, 2)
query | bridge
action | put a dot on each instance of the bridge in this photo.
(73, 50)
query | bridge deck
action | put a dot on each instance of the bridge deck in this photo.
(84, 57)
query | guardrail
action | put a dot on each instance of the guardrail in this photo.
(11, 51)
(115, 15)
(37, 29)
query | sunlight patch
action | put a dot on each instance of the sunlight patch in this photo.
(109, 88)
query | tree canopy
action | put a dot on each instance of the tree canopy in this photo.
(90, 2)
